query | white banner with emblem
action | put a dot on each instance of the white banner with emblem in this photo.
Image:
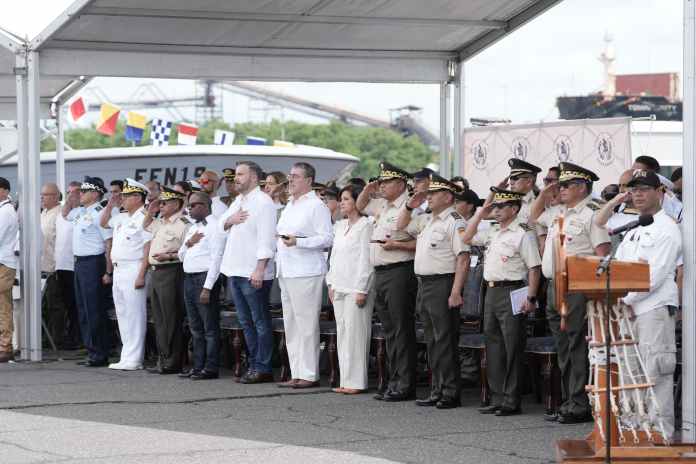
(600, 145)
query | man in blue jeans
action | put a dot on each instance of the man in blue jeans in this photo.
(200, 254)
(250, 227)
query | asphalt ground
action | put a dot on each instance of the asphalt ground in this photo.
(59, 412)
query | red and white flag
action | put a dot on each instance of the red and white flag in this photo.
(77, 109)
(187, 134)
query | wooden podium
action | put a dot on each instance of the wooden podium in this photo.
(576, 274)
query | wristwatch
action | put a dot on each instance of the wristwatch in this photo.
(408, 208)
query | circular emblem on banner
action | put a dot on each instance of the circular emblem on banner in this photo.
(562, 147)
(520, 147)
(604, 144)
(479, 153)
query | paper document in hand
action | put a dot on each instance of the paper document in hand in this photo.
(517, 299)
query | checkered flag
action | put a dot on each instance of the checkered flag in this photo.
(160, 132)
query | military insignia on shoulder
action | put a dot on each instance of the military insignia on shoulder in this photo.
(524, 226)
(631, 211)
(184, 220)
(456, 215)
(594, 206)
(99, 208)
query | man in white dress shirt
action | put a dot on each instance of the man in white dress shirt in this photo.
(200, 254)
(129, 251)
(250, 226)
(9, 225)
(65, 275)
(304, 231)
(658, 244)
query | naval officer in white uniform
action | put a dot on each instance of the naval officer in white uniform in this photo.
(129, 253)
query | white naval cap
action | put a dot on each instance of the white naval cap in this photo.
(133, 186)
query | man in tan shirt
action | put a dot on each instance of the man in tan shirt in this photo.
(166, 294)
(53, 309)
(392, 253)
(511, 257)
(583, 237)
(441, 266)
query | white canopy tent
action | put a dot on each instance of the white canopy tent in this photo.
(304, 40)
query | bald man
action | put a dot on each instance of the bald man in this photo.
(210, 182)
(54, 311)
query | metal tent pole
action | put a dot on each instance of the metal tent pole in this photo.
(689, 228)
(445, 127)
(459, 100)
(22, 142)
(30, 213)
(60, 148)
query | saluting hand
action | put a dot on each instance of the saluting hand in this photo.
(503, 184)
(153, 208)
(372, 187)
(417, 199)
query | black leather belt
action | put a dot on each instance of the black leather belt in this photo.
(435, 276)
(504, 283)
(387, 267)
(154, 267)
(88, 257)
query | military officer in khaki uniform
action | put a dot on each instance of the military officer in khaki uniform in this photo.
(512, 255)
(522, 179)
(228, 176)
(166, 294)
(583, 237)
(391, 254)
(441, 265)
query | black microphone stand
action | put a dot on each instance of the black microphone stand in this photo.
(605, 267)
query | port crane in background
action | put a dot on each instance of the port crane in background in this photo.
(209, 96)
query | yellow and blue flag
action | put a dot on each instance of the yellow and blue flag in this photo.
(135, 126)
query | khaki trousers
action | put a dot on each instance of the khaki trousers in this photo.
(7, 276)
(654, 331)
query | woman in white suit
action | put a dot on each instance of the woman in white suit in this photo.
(351, 289)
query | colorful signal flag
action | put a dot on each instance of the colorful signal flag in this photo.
(108, 117)
(77, 109)
(135, 126)
(187, 134)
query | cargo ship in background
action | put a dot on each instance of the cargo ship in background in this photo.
(634, 95)
(652, 99)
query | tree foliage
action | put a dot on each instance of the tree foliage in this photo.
(369, 144)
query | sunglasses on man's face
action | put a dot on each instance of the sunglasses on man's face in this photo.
(568, 184)
(550, 180)
(196, 203)
(516, 178)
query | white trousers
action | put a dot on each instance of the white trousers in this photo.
(301, 299)
(131, 312)
(353, 329)
(656, 342)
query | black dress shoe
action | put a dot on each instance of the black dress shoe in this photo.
(204, 375)
(256, 377)
(492, 409)
(508, 411)
(189, 373)
(575, 418)
(82, 363)
(550, 417)
(379, 396)
(448, 403)
(399, 396)
(429, 401)
(90, 363)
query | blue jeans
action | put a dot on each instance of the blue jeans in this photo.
(204, 322)
(255, 319)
